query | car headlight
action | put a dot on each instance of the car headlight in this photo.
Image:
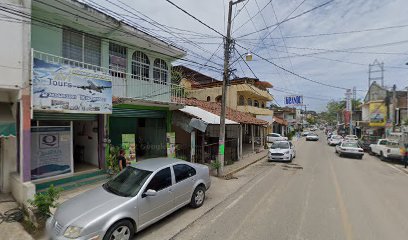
(72, 232)
(287, 152)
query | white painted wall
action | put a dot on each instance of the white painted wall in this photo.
(365, 113)
(14, 44)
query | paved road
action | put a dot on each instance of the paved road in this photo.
(320, 197)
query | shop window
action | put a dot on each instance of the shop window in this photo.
(241, 101)
(160, 71)
(140, 66)
(249, 102)
(80, 47)
(208, 99)
(117, 60)
(218, 99)
(256, 103)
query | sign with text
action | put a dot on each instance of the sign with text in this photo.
(70, 89)
(294, 100)
(50, 151)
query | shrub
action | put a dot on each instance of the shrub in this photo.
(46, 200)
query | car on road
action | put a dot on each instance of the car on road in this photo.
(350, 138)
(334, 140)
(140, 195)
(273, 137)
(349, 148)
(281, 151)
(305, 133)
(386, 149)
(312, 137)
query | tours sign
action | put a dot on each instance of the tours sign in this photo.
(294, 100)
(70, 89)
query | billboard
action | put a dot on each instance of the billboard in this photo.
(294, 100)
(50, 151)
(378, 114)
(70, 89)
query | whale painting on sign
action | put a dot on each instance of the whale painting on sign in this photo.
(294, 100)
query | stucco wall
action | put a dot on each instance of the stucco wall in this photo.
(8, 156)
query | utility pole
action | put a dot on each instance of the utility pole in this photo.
(228, 46)
(349, 109)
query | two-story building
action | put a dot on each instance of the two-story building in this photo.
(86, 80)
(247, 95)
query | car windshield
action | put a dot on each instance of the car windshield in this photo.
(128, 182)
(337, 137)
(350, 145)
(280, 145)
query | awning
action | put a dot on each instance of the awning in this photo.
(204, 115)
(7, 129)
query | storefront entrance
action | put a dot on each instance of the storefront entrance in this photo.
(85, 145)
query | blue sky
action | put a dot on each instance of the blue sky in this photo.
(388, 45)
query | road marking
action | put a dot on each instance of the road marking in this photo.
(343, 210)
(394, 167)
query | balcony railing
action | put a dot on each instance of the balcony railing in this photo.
(125, 84)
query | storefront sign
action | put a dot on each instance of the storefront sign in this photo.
(378, 114)
(129, 145)
(69, 89)
(50, 151)
(293, 100)
(171, 144)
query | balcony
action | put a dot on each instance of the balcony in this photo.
(124, 85)
(255, 110)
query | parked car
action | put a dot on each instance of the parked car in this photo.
(273, 137)
(366, 141)
(349, 148)
(351, 138)
(281, 151)
(312, 137)
(137, 197)
(386, 149)
(305, 133)
(334, 140)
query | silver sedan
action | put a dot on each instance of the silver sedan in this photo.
(137, 197)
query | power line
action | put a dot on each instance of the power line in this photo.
(251, 18)
(286, 20)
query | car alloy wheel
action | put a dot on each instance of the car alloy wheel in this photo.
(198, 197)
(121, 230)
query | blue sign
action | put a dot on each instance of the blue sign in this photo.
(70, 89)
(294, 100)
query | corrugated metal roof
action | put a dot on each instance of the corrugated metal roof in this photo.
(204, 115)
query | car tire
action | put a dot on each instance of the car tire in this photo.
(360, 157)
(197, 200)
(340, 155)
(123, 226)
(382, 158)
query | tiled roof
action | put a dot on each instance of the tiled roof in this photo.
(233, 115)
(280, 121)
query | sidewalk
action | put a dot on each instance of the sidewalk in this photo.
(11, 230)
(246, 161)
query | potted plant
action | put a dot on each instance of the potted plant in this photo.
(215, 167)
(112, 165)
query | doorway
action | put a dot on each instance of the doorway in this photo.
(85, 145)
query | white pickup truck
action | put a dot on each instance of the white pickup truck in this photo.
(386, 149)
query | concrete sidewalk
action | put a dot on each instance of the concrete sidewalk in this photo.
(11, 230)
(246, 161)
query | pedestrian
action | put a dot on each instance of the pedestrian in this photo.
(406, 155)
(122, 161)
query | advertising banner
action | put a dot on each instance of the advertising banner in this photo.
(70, 89)
(378, 114)
(129, 145)
(171, 144)
(50, 151)
(293, 100)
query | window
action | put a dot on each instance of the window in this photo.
(256, 103)
(128, 182)
(208, 99)
(249, 102)
(263, 105)
(183, 171)
(160, 181)
(218, 99)
(117, 60)
(241, 101)
(160, 71)
(81, 47)
(140, 66)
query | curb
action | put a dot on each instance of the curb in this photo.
(243, 167)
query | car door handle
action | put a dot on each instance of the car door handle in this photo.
(170, 190)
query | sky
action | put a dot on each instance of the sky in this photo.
(289, 45)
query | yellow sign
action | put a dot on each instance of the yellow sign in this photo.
(378, 114)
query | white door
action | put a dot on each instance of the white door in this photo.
(153, 208)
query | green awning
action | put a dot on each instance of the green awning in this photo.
(7, 129)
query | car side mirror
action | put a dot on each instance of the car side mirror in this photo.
(149, 193)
